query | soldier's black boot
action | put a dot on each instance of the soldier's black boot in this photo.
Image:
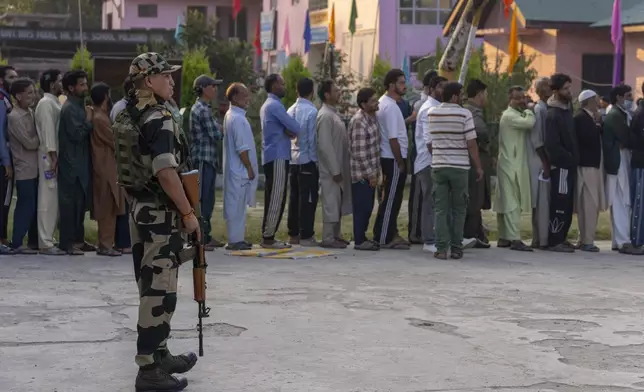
(154, 379)
(177, 363)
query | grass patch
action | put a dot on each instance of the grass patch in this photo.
(254, 223)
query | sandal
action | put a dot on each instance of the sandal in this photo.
(456, 253)
(25, 251)
(589, 248)
(335, 244)
(86, 247)
(108, 252)
(275, 245)
(503, 244)
(75, 252)
(440, 255)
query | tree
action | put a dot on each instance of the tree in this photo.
(380, 69)
(83, 60)
(195, 63)
(292, 73)
(331, 68)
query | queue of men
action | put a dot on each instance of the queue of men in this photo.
(551, 163)
(47, 151)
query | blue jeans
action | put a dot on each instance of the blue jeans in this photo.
(363, 199)
(207, 179)
(24, 217)
(122, 237)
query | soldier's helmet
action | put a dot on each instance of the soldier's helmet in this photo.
(148, 64)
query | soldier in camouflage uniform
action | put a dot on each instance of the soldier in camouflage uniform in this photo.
(161, 218)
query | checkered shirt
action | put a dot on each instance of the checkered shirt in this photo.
(205, 134)
(364, 139)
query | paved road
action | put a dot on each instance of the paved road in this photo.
(391, 321)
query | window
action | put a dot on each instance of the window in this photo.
(147, 11)
(315, 5)
(425, 12)
(201, 10)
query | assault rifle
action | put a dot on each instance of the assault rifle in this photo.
(190, 181)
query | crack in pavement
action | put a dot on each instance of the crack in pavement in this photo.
(126, 334)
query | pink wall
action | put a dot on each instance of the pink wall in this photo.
(572, 44)
(169, 10)
(296, 14)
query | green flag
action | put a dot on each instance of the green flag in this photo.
(353, 17)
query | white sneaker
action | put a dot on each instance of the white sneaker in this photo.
(430, 248)
(469, 243)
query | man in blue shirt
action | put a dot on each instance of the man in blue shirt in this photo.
(7, 75)
(204, 150)
(278, 128)
(304, 170)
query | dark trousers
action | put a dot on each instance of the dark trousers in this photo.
(6, 193)
(562, 196)
(71, 202)
(386, 227)
(362, 197)
(24, 216)
(122, 236)
(415, 210)
(276, 173)
(303, 200)
(207, 179)
(474, 225)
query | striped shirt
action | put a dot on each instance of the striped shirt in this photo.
(451, 127)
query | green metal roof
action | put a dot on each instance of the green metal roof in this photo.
(571, 11)
(630, 16)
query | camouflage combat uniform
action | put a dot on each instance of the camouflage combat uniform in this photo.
(158, 246)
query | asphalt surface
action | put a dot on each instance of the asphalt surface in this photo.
(396, 321)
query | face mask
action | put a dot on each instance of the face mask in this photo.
(628, 105)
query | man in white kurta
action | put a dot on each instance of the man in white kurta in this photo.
(47, 115)
(335, 166)
(240, 167)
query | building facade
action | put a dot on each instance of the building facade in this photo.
(575, 40)
(165, 14)
(391, 29)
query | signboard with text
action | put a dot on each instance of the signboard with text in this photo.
(319, 35)
(267, 30)
(27, 34)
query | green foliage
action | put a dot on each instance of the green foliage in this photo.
(380, 69)
(231, 60)
(83, 60)
(292, 73)
(343, 77)
(195, 63)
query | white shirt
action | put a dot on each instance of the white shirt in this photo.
(392, 126)
(304, 146)
(422, 135)
(117, 108)
(47, 116)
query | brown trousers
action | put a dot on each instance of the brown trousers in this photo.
(106, 231)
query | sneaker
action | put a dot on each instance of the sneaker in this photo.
(469, 243)
(155, 379)
(429, 248)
